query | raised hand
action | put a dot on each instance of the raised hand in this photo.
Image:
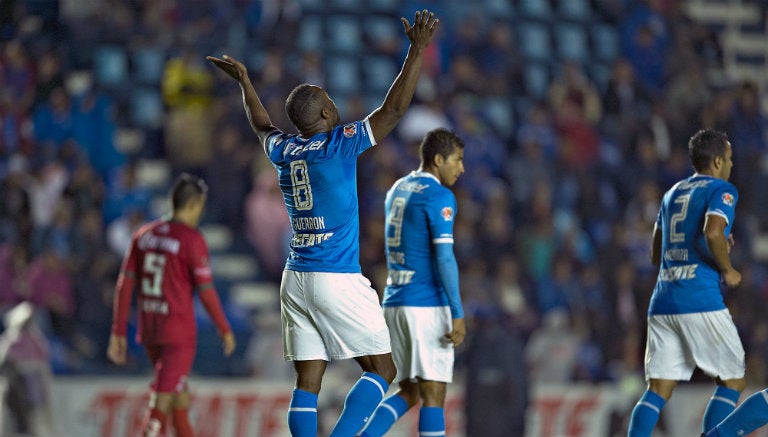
(231, 66)
(423, 29)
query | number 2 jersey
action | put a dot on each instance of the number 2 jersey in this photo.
(689, 279)
(318, 180)
(168, 263)
(420, 213)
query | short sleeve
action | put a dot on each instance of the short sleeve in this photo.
(352, 139)
(441, 213)
(723, 202)
(199, 261)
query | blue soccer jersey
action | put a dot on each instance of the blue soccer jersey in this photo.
(318, 179)
(419, 214)
(689, 280)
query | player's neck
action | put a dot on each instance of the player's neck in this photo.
(431, 171)
(184, 217)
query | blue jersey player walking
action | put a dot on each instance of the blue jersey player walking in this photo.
(689, 325)
(328, 309)
(421, 302)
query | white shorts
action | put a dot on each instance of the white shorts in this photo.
(678, 343)
(330, 316)
(418, 347)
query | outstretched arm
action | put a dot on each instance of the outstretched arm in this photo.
(254, 109)
(384, 118)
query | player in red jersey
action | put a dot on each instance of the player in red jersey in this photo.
(168, 263)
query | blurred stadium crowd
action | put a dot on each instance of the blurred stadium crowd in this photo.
(575, 115)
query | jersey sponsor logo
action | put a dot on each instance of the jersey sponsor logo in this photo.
(307, 240)
(400, 277)
(294, 149)
(350, 130)
(689, 185)
(447, 213)
(413, 187)
(728, 199)
(678, 273)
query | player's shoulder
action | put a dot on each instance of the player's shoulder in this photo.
(146, 227)
(350, 131)
(722, 184)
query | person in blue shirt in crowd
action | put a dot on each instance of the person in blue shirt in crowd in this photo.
(422, 304)
(689, 325)
(328, 308)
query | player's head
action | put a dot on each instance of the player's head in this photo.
(442, 154)
(188, 197)
(309, 107)
(710, 153)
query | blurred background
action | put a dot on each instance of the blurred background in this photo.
(575, 114)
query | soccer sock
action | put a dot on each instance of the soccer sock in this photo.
(645, 415)
(720, 405)
(302, 414)
(751, 414)
(387, 413)
(181, 423)
(431, 422)
(155, 424)
(361, 401)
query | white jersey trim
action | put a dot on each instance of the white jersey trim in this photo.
(717, 212)
(368, 129)
(442, 240)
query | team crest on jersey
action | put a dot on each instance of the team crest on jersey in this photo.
(728, 199)
(350, 130)
(447, 213)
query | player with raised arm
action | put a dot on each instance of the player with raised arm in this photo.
(422, 304)
(168, 262)
(689, 325)
(329, 310)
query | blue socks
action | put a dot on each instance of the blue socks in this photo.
(750, 415)
(302, 414)
(431, 422)
(645, 415)
(389, 410)
(720, 405)
(361, 401)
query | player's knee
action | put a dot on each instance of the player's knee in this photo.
(735, 384)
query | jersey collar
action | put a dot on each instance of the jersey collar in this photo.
(424, 174)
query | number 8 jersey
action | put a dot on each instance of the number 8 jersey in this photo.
(689, 279)
(318, 180)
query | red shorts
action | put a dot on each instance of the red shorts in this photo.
(172, 364)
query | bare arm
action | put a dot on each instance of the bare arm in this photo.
(656, 246)
(717, 243)
(384, 118)
(254, 109)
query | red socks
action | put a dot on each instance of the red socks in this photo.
(181, 423)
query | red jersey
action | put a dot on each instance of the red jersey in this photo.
(168, 262)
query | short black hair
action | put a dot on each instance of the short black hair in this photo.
(440, 141)
(303, 105)
(186, 188)
(704, 146)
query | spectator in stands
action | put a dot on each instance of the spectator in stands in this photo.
(187, 89)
